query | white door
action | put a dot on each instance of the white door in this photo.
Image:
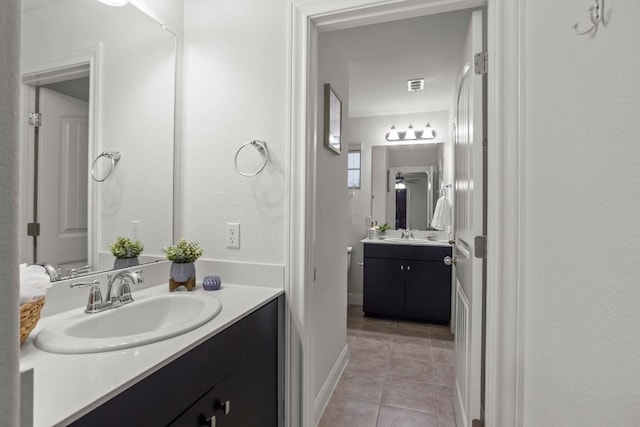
(469, 216)
(62, 180)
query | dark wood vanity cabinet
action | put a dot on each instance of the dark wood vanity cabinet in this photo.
(408, 282)
(235, 376)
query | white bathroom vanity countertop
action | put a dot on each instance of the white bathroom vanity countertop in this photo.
(68, 386)
(410, 242)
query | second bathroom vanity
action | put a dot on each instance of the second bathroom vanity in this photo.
(408, 279)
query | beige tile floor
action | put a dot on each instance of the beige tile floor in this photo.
(399, 374)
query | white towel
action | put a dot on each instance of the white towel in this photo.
(441, 214)
(34, 282)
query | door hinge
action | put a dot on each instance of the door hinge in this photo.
(480, 246)
(33, 229)
(35, 119)
(481, 63)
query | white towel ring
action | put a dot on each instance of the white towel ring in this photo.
(114, 156)
(261, 146)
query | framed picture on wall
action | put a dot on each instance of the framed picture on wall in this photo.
(332, 120)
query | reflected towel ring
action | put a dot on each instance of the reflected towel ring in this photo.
(114, 156)
(261, 146)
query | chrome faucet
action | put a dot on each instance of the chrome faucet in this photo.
(406, 234)
(118, 291)
(119, 287)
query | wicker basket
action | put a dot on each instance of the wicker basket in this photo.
(29, 316)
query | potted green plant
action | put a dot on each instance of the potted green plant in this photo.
(183, 270)
(382, 230)
(126, 252)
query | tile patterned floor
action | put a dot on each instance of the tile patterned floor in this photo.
(400, 374)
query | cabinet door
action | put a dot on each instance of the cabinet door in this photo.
(247, 397)
(428, 291)
(383, 292)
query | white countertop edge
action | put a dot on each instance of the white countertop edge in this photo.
(407, 242)
(68, 386)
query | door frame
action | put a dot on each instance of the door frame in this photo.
(505, 181)
(41, 71)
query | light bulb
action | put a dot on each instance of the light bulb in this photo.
(392, 135)
(411, 134)
(427, 133)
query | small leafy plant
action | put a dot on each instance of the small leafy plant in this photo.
(124, 247)
(384, 227)
(183, 251)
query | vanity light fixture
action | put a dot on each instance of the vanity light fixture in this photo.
(114, 2)
(411, 135)
(392, 135)
(427, 132)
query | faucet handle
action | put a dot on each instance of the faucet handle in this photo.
(138, 276)
(84, 284)
(94, 303)
(124, 293)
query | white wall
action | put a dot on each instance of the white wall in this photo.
(235, 76)
(135, 113)
(10, 21)
(582, 264)
(330, 248)
(369, 132)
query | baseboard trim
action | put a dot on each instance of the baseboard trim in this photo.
(354, 299)
(322, 399)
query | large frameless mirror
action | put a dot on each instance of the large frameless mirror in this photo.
(97, 158)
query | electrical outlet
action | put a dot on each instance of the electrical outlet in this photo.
(368, 220)
(233, 235)
(135, 229)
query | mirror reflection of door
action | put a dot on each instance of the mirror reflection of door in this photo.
(401, 208)
(61, 174)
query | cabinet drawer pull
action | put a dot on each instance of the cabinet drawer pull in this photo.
(408, 268)
(402, 267)
(208, 421)
(224, 406)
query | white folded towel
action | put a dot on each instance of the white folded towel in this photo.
(441, 214)
(34, 282)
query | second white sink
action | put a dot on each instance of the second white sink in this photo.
(142, 322)
(425, 242)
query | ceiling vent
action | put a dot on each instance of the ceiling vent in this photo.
(415, 85)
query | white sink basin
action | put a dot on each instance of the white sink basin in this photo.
(141, 322)
(415, 241)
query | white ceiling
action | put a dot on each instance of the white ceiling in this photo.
(382, 57)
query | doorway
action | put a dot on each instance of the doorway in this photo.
(386, 54)
(505, 103)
